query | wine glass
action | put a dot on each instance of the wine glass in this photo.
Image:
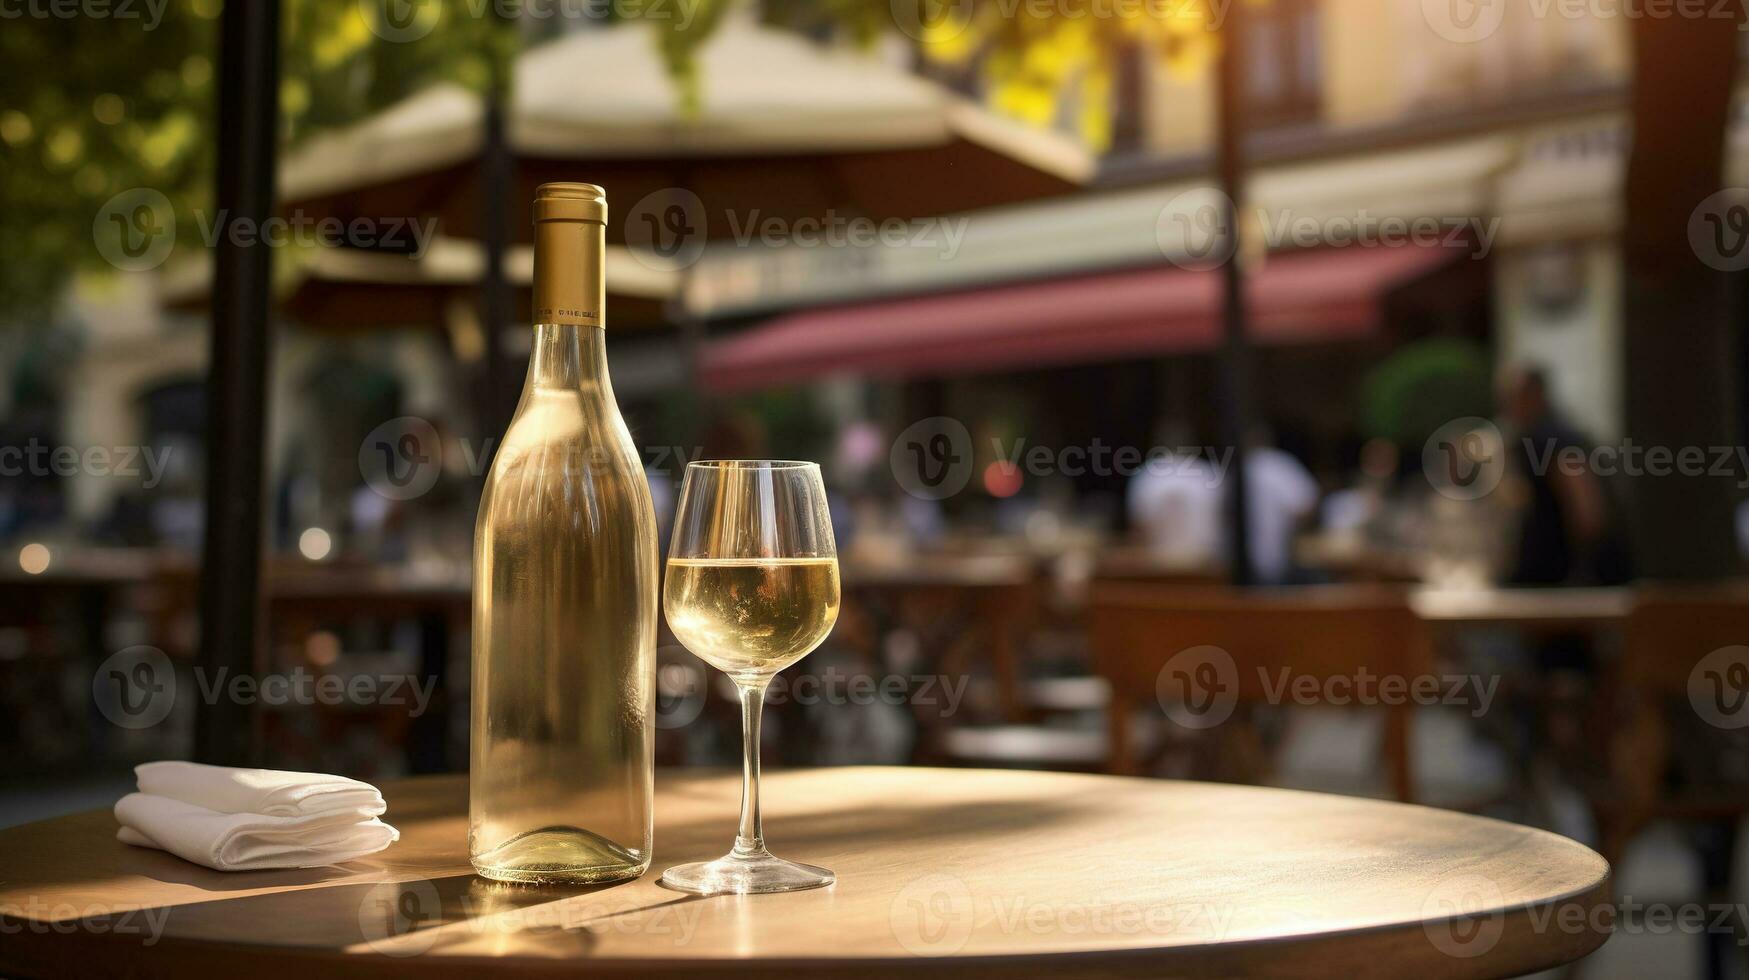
(752, 587)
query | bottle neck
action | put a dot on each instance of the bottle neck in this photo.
(570, 346)
(568, 356)
(568, 282)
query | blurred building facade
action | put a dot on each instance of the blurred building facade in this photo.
(1365, 112)
(1540, 97)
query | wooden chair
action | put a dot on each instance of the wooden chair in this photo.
(1321, 631)
(1669, 632)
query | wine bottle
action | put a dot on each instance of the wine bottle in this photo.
(561, 763)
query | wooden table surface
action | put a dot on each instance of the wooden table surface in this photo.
(939, 871)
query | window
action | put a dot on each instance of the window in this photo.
(1282, 69)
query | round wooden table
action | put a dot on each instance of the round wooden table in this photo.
(939, 871)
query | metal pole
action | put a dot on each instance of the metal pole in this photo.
(1235, 358)
(230, 592)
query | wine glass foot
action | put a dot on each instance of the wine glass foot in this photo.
(751, 874)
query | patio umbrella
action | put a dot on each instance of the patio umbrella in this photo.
(785, 129)
(350, 289)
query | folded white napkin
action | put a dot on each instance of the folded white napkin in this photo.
(252, 819)
(272, 792)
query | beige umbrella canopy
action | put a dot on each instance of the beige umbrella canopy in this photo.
(349, 289)
(786, 128)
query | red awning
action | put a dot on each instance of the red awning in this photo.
(1297, 297)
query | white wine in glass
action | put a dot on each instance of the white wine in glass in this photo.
(752, 587)
(751, 616)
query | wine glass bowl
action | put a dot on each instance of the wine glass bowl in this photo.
(751, 587)
(751, 618)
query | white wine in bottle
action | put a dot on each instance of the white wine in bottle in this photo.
(561, 777)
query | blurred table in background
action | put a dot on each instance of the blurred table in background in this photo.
(88, 577)
(310, 606)
(976, 611)
(992, 594)
(61, 600)
(1522, 608)
(944, 872)
(300, 591)
(68, 567)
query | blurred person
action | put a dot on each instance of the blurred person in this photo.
(1177, 500)
(859, 452)
(1174, 502)
(1280, 493)
(1358, 508)
(922, 519)
(1567, 533)
(1379, 524)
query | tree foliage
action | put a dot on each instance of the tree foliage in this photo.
(1047, 62)
(92, 106)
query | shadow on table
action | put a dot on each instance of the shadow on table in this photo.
(823, 834)
(170, 869)
(459, 912)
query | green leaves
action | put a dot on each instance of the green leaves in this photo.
(93, 106)
(90, 107)
(679, 38)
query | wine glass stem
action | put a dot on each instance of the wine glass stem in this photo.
(750, 839)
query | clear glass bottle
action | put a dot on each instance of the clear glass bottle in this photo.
(565, 591)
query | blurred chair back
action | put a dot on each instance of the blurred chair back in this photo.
(1320, 632)
(1682, 646)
